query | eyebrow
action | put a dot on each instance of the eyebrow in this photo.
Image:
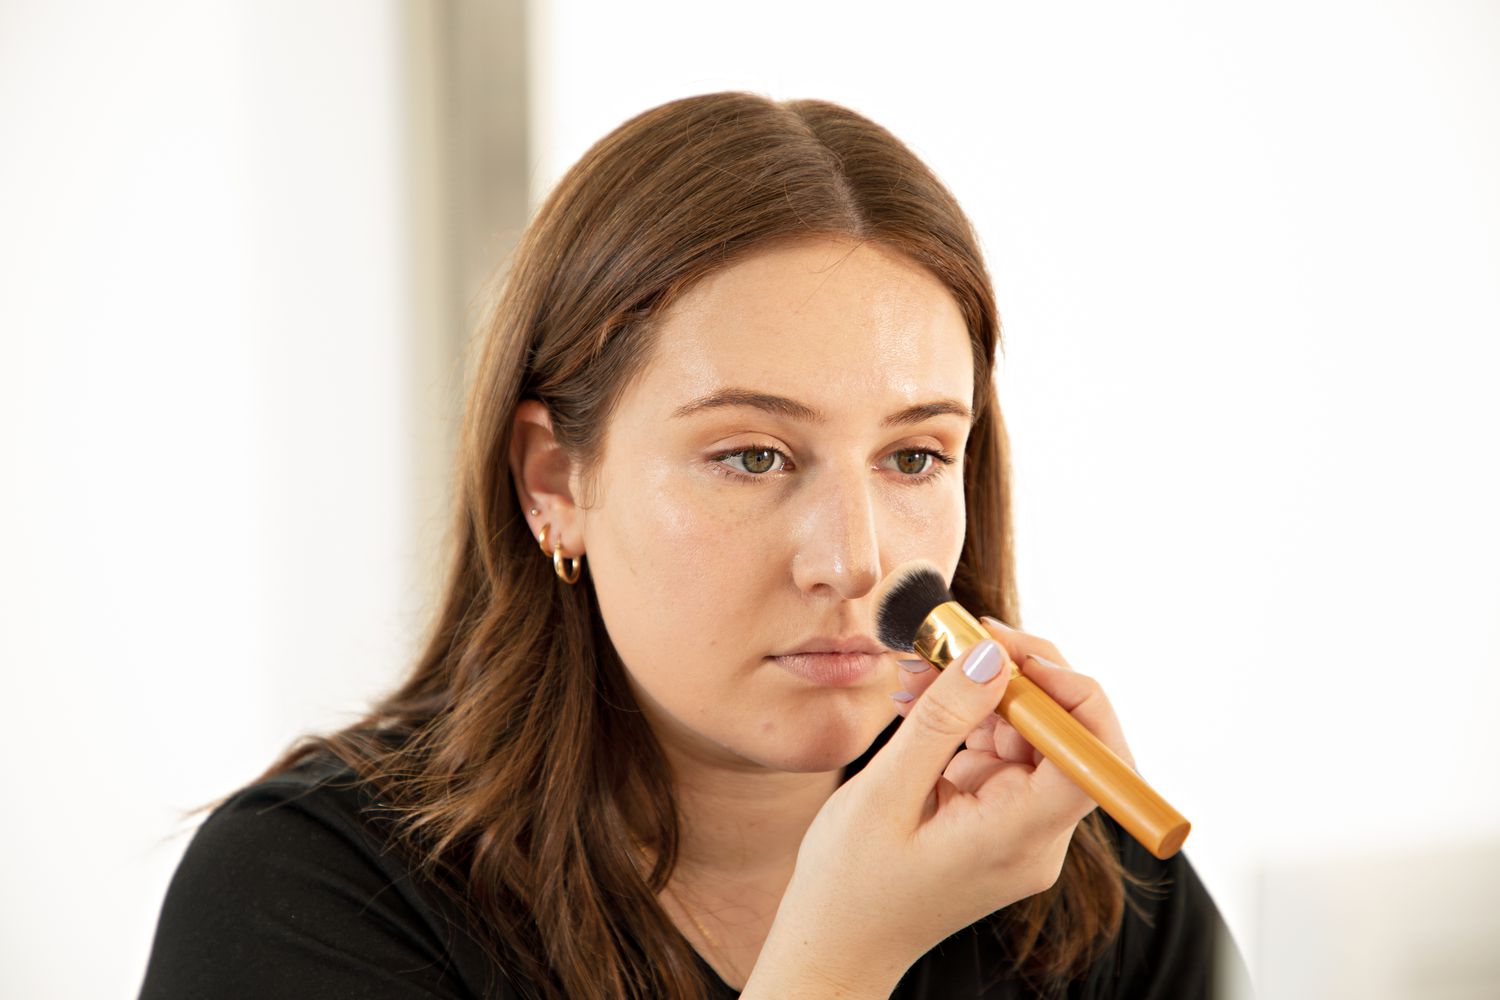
(782, 406)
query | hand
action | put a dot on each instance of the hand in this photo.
(997, 736)
(925, 841)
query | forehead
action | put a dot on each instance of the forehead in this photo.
(844, 327)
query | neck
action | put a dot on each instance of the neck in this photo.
(738, 819)
(744, 824)
(741, 828)
(741, 825)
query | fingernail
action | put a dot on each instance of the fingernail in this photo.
(1043, 661)
(983, 662)
(914, 666)
(902, 696)
(996, 622)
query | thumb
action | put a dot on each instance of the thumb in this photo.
(961, 698)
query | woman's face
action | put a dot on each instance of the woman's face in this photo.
(798, 432)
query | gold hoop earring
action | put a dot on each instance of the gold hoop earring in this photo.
(569, 575)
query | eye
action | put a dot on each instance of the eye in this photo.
(916, 465)
(756, 460)
(914, 461)
(921, 465)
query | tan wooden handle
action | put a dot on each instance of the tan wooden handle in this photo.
(1094, 767)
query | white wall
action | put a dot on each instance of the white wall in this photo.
(210, 516)
(1248, 273)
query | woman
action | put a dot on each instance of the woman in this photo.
(741, 368)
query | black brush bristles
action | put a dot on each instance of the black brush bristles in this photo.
(906, 596)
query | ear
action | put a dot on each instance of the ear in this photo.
(542, 473)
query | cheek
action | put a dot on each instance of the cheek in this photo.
(679, 539)
(926, 522)
(671, 568)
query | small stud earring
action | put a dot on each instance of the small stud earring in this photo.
(534, 512)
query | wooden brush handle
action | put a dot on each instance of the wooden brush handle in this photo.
(1093, 767)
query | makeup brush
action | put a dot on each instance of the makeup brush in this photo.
(917, 612)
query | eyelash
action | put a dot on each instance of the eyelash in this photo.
(941, 461)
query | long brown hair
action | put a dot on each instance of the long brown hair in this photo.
(532, 835)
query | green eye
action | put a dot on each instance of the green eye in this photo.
(916, 465)
(758, 459)
(913, 462)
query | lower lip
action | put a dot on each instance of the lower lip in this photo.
(829, 669)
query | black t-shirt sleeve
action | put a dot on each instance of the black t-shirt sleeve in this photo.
(281, 896)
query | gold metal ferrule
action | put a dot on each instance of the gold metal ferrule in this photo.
(947, 634)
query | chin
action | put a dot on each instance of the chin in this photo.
(814, 746)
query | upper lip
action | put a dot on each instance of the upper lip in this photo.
(846, 644)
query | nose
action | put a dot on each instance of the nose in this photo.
(835, 530)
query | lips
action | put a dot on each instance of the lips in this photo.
(829, 669)
(835, 644)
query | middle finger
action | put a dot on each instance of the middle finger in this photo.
(917, 676)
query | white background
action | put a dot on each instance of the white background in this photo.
(1247, 266)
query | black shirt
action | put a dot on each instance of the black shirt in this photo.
(288, 890)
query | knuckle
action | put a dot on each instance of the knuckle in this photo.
(1047, 867)
(938, 716)
(1097, 694)
(1049, 874)
(1028, 879)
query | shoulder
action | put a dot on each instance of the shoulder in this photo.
(1173, 940)
(316, 809)
(289, 836)
(291, 887)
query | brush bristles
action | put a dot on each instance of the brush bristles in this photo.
(907, 596)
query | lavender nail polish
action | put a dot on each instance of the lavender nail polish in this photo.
(997, 622)
(914, 666)
(983, 662)
(902, 696)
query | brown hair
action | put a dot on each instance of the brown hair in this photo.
(532, 835)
